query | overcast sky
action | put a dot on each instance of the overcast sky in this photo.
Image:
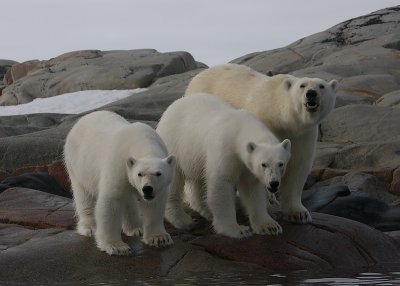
(213, 31)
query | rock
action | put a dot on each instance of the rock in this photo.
(30, 123)
(395, 184)
(40, 181)
(55, 170)
(320, 245)
(5, 65)
(37, 209)
(347, 124)
(20, 70)
(391, 99)
(74, 259)
(312, 247)
(360, 137)
(94, 69)
(348, 200)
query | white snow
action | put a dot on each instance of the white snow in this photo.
(69, 103)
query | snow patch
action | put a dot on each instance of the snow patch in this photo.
(69, 103)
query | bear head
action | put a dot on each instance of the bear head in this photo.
(151, 176)
(312, 98)
(268, 162)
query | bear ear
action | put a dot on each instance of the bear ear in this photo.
(287, 83)
(170, 160)
(130, 162)
(251, 146)
(334, 84)
(286, 144)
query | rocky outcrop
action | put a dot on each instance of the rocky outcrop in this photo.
(37, 226)
(92, 69)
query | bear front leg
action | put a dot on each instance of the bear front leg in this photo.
(174, 211)
(254, 199)
(297, 170)
(108, 214)
(221, 199)
(154, 233)
(84, 208)
(131, 217)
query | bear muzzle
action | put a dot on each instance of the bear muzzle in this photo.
(273, 186)
(148, 192)
(312, 102)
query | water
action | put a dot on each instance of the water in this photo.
(257, 278)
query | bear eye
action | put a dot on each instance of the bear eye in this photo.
(140, 174)
(321, 86)
(302, 85)
(158, 174)
(264, 165)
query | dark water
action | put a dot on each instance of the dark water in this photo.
(298, 278)
(365, 278)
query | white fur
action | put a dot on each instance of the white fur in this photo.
(104, 155)
(279, 102)
(219, 148)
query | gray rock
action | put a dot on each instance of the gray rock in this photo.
(94, 69)
(361, 124)
(5, 65)
(391, 99)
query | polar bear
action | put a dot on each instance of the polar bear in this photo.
(218, 148)
(291, 107)
(118, 171)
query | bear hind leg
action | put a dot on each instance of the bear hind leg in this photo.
(195, 195)
(174, 211)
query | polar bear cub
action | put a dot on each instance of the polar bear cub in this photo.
(118, 171)
(219, 148)
(291, 107)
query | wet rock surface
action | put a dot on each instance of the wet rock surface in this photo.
(356, 170)
(35, 227)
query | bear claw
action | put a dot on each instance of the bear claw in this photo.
(302, 217)
(159, 240)
(119, 248)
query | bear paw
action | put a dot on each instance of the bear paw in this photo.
(133, 232)
(160, 240)
(268, 227)
(182, 222)
(85, 230)
(115, 248)
(235, 231)
(302, 216)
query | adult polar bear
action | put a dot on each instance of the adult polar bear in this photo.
(291, 107)
(114, 165)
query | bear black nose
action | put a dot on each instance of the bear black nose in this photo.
(273, 186)
(311, 94)
(148, 192)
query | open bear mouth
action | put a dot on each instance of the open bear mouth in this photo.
(311, 106)
(272, 190)
(148, 197)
